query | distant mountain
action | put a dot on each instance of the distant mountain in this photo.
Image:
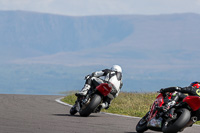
(153, 50)
(34, 34)
(48, 34)
(162, 42)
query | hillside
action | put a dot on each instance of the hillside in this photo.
(34, 34)
(154, 51)
(49, 34)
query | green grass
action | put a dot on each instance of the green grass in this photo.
(132, 104)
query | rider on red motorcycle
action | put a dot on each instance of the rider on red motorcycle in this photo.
(112, 76)
(178, 95)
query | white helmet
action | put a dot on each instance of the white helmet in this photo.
(116, 68)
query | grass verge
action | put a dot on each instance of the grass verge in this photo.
(132, 104)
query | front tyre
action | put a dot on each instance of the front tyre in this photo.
(175, 126)
(73, 110)
(94, 102)
(142, 125)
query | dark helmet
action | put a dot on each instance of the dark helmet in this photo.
(195, 84)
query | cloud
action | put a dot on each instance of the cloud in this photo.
(198, 1)
(103, 7)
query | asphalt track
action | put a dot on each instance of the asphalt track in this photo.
(42, 114)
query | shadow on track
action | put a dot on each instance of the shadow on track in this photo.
(135, 132)
(74, 115)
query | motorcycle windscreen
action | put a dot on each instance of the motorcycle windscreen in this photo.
(193, 102)
(104, 89)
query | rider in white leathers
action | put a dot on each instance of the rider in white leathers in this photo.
(113, 76)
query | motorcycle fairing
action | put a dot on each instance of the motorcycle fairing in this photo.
(193, 102)
(104, 89)
(153, 122)
(158, 102)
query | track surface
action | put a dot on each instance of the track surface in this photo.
(42, 114)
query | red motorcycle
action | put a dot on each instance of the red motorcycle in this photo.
(174, 120)
(91, 103)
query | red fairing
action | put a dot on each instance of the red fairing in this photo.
(104, 89)
(160, 100)
(193, 102)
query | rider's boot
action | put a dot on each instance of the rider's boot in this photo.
(105, 105)
(84, 91)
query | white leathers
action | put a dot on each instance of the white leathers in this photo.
(113, 76)
(85, 89)
(109, 78)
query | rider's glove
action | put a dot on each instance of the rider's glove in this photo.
(178, 88)
(87, 77)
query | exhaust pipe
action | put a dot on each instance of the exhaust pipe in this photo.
(190, 123)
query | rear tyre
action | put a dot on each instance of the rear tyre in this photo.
(95, 101)
(142, 125)
(183, 118)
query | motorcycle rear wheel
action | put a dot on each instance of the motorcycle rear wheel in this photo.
(181, 121)
(94, 102)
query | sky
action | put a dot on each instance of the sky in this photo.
(103, 7)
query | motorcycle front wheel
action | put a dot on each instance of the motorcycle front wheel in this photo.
(91, 106)
(142, 124)
(73, 110)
